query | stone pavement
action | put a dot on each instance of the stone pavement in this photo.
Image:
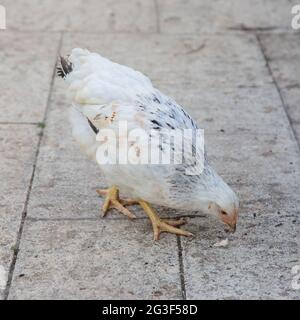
(235, 66)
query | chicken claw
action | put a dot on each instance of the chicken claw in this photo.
(160, 225)
(112, 200)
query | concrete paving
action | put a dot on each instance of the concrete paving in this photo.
(193, 16)
(283, 54)
(233, 65)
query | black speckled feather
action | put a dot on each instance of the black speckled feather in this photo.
(92, 126)
(64, 68)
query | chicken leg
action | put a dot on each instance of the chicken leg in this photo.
(112, 200)
(164, 225)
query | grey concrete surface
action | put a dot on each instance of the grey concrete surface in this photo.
(189, 16)
(83, 259)
(82, 16)
(283, 55)
(27, 62)
(233, 65)
(17, 152)
(239, 270)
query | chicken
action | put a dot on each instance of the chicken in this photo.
(105, 96)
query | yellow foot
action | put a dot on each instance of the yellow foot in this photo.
(112, 200)
(160, 226)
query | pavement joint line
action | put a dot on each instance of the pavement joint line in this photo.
(256, 29)
(18, 123)
(278, 90)
(33, 219)
(24, 211)
(157, 13)
(181, 268)
(176, 34)
(229, 31)
(83, 32)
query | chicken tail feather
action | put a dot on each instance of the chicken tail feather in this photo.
(64, 68)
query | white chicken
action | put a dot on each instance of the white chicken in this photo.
(104, 94)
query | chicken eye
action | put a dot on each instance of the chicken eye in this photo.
(224, 213)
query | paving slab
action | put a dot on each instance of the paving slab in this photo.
(229, 110)
(95, 260)
(256, 264)
(184, 58)
(83, 16)
(257, 166)
(17, 151)
(283, 54)
(27, 62)
(195, 16)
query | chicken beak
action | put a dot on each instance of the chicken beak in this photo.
(231, 228)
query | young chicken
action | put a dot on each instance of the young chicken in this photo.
(105, 94)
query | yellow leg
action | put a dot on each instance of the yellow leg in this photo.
(160, 226)
(112, 200)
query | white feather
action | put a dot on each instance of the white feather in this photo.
(83, 133)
